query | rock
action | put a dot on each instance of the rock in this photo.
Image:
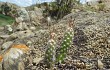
(24, 14)
(49, 21)
(4, 36)
(36, 16)
(8, 28)
(34, 68)
(0, 66)
(37, 60)
(108, 40)
(32, 28)
(38, 12)
(23, 34)
(6, 45)
(1, 28)
(19, 19)
(22, 26)
(21, 66)
(100, 64)
(33, 16)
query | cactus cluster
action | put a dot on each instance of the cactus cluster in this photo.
(52, 56)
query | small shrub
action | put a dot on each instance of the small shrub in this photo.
(101, 6)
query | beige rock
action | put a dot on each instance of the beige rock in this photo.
(7, 45)
(21, 66)
(100, 64)
(8, 28)
(24, 14)
(24, 34)
(0, 66)
(22, 26)
(37, 60)
(4, 36)
(19, 19)
(32, 28)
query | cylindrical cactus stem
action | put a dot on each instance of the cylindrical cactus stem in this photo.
(51, 51)
(67, 42)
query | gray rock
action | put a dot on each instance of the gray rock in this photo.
(19, 19)
(7, 45)
(8, 28)
(38, 12)
(21, 66)
(36, 16)
(23, 34)
(0, 66)
(37, 60)
(100, 64)
(4, 36)
(24, 14)
(22, 26)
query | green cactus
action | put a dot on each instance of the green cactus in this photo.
(51, 53)
(68, 37)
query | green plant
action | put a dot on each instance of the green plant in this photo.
(101, 6)
(64, 7)
(50, 52)
(60, 8)
(67, 42)
(51, 56)
(6, 20)
(5, 8)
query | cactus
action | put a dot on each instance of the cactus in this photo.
(67, 42)
(51, 55)
(50, 52)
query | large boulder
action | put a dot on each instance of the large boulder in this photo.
(24, 14)
(38, 12)
(36, 15)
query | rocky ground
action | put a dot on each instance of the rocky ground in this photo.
(91, 43)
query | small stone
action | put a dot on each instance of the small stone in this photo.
(37, 60)
(100, 64)
(4, 36)
(21, 66)
(34, 68)
(19, 19)
(8, 28)
(32, 28)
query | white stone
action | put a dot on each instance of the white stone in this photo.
(19, 19)
(100, 64)
(32, 28)
(37, 60)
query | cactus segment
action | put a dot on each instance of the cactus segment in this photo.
(68, 37)
(50, 52)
